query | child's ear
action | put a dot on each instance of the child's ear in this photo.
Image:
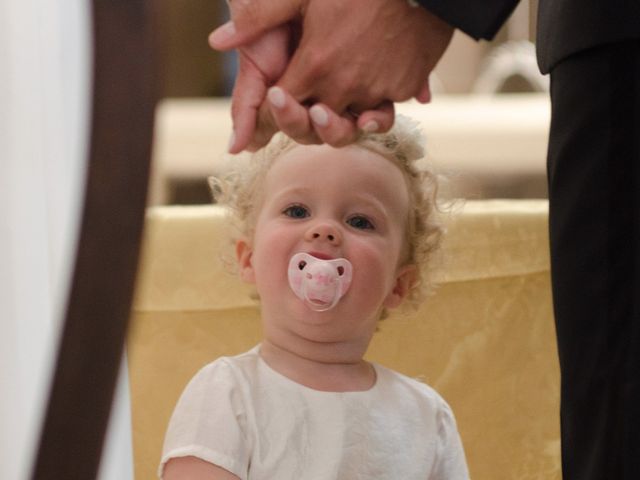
(405, 279)
(243, 254)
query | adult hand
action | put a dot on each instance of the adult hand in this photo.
(261, 63)
(355, 54)
(351, 55)
(319, 123)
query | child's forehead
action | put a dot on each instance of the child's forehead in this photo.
(350, 173)
(305, 158)
(353, 168)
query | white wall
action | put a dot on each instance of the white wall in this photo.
(45, 67)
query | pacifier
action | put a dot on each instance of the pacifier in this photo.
(319, 283)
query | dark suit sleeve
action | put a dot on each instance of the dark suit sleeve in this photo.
(477, 18)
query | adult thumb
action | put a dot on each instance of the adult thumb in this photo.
(251, 18)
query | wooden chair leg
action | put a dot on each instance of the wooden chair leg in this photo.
(90, 350)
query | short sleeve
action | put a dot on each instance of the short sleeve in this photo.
(450, 463)
(209, 421)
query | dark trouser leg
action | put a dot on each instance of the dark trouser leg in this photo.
(594, 191)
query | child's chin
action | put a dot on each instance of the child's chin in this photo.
(311, 314)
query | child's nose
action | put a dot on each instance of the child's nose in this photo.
(324, 232)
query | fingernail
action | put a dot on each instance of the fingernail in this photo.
(232, 141)
(223, 33)
(371, 126)
(276, 97)
(319, 116)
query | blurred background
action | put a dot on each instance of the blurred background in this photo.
(486, 127)
(486, 130)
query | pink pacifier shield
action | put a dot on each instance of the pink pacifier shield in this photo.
(319, 283)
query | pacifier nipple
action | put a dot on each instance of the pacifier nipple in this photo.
(319, 283)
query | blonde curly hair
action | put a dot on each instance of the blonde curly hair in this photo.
(402, 145)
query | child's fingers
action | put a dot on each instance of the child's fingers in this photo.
(379, 120)
(291, 117)
(332, 128)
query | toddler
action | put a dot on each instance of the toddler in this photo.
(332, 238)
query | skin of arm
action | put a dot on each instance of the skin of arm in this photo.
(353, 55)
(192, 468)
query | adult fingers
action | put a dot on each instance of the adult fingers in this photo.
(424, 95)
(379, 120)
(332, 128)
(250, 19)
(270, 53)
(248, 93)
(265, 129)
(291, 117)
(343, 130)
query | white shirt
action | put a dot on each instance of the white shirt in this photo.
(240, 414)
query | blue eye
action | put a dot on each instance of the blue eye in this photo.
(360, 222)
(296, 211)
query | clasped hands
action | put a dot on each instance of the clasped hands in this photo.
(321, 70)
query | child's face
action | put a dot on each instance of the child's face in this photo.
(331, 203)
